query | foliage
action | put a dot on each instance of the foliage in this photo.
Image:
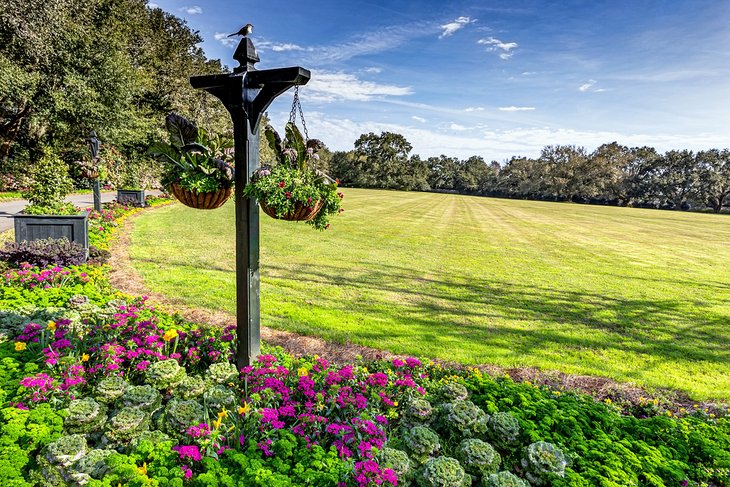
(43, 253)
(294, 181)
(443, 472)
(504, 429)
(542, 461)
(505, 479)
(195, 160)
(50, 185)
(478, 457)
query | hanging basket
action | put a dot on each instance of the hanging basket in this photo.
(89, 173)
(300, 213)
(201, 201)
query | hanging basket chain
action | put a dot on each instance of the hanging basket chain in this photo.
(296, 106)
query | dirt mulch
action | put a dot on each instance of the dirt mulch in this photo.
(124, 278)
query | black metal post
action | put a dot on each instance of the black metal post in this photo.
(97, 194)
(246, 93)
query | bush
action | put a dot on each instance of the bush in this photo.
(43, 253)
(51, 183)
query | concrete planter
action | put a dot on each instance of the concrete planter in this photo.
(134, 197)
(40, 227)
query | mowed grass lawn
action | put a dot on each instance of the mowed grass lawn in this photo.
(636, 295)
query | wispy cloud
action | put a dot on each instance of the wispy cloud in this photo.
(193, 10)
(419, 119)
(223, 38)
(458, 127)
(373, 70)
(474, 109)
(589, 87)
(336, 86)
(495, 45)
(152, 5)
(279, 46)
(449, 28)
(516, 109)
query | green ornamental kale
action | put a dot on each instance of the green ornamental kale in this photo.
(127, 424)
(222, 373)
(418, 411)
(462, 418)
(219, 396)
(421, 442)
(85, 416)
(180, 415)
(165, 374)
(504, 479)
(478, 457)
(396, 460)
(452, 391)
(110, 389)
(504, 429)
(94, 463)
(543, 459)
(144, 397)
(192, 386)
(66, 450)
(443, 472)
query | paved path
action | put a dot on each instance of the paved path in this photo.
(9, 208)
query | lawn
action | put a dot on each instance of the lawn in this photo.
(636, 295)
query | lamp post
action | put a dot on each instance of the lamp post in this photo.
(246, 93)
(94, 143)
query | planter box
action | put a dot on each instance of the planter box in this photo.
(41, 227)
(132, 197)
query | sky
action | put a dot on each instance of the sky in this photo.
(491, 78)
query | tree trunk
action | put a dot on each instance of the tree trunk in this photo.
(10, 130)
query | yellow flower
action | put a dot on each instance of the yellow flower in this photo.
(395, 403)
(608, 400)
(20, 346)
(169, 335)
(142, 469)
(302, 371)
(52, 325)
(669, 413)
(245, 409)
(85, 357)
(217, 423)
(223, 413)
(712, 415)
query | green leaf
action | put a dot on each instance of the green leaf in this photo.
(182, 131)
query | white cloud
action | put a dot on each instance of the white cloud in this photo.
(587, 86)
(223, 38)
(451, 27)
(419, 119)
(374, 70)
(286, 47)
(474, 109)
(529, 73)
(152, 5)
(493, 45)
(336, 86)
(192, 10)
(457, 127)
(515, 109)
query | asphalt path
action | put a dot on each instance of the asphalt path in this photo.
(84, 200)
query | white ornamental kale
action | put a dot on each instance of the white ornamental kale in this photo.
(85, 416)
(165, 374)
(127, 424)
(478, 457)
(443, 472)
(543, 459)
(110, 389)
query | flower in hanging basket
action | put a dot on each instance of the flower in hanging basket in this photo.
(293, 188)
(198, 173)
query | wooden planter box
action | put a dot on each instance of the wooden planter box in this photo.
(131, 197)
(41, 227)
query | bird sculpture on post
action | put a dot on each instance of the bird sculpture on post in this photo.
(244, 31)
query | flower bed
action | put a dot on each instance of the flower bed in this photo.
(99, 388)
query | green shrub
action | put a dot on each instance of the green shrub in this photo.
(50, 185)
(421, 442)
(504, 479)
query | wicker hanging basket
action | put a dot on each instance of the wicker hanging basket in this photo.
(201, 201)
(89, 173)
(301, 212)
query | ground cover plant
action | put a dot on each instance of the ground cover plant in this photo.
(103, 389)
(632, 294)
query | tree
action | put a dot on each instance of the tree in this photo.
(713, 178)
(442, 172)
(381, 161)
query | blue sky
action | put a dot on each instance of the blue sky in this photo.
(492, 78)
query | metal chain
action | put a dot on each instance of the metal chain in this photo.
(297, 106)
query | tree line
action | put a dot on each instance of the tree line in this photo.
(612, 174)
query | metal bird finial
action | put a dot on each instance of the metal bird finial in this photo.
(244, 31)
